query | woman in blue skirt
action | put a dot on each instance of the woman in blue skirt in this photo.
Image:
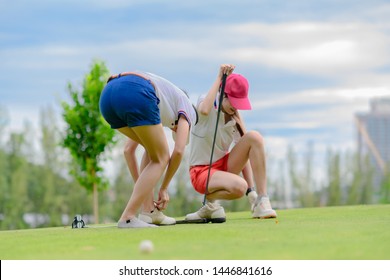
(139, 104)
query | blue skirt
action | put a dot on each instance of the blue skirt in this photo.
(129, 101)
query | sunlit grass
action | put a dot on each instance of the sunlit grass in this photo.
(353, 232)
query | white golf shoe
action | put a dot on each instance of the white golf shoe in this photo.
(211, 212)
(263, 209)
(134, 223)
(156, 217)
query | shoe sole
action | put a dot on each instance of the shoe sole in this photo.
(163, 225)
(265, 217)
(158, 224)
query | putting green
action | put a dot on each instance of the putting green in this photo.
(328, 233)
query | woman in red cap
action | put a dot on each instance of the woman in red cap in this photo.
(247, 155)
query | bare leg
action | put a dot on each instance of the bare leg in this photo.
(248, 174)
(132, 164)
(131, 159)
(153, 139)
(148, 204)
(251, 147)
(229, 185)
(226, 185)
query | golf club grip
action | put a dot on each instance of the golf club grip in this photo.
(222, 92)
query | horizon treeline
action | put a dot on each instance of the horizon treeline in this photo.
(37, 190)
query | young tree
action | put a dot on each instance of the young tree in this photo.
(4, 119)
(302, 181)
(278, 184)
(87, 133)
(16, 201)
(385, 188)
(3, 165)
(4, 183)
(335, 178)
(359, 186)
(49, 173)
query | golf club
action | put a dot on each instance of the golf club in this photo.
(222, 92)
(198, 221)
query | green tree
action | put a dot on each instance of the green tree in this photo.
(4, 186)
(51, 200)
(358, 179)
(87, 133)
(335, 178)
(16, 201)
(385, 188)
(4, 183)
(357, 176)
(277, 185)
(367, 193)
(3, 122)
(302, 181)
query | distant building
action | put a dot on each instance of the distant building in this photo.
(374, 135)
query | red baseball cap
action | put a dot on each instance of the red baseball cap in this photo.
(236, 89)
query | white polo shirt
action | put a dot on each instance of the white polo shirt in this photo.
(173, 101)
(202, 135)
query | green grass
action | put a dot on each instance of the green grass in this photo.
(329, 233)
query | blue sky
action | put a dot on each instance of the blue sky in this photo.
(310, 64)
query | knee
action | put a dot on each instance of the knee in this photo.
(255, 137)
(239, 188)
(162, 158)
(130, 148)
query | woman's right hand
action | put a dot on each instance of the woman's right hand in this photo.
(226, 69)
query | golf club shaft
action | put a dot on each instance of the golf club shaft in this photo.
(222, 92)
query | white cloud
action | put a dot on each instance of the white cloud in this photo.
(339, 95)
(326, 116)
(327, 49)
(379, 13)
(121, 53)
(18, 115)
(347, 51)
(43, 57)
(276, 147)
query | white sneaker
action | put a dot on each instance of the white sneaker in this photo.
(252, 196)
(156, 217)
(134, 223)
(263, 209)
(212, 212)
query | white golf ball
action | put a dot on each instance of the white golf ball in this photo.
(146, 246)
